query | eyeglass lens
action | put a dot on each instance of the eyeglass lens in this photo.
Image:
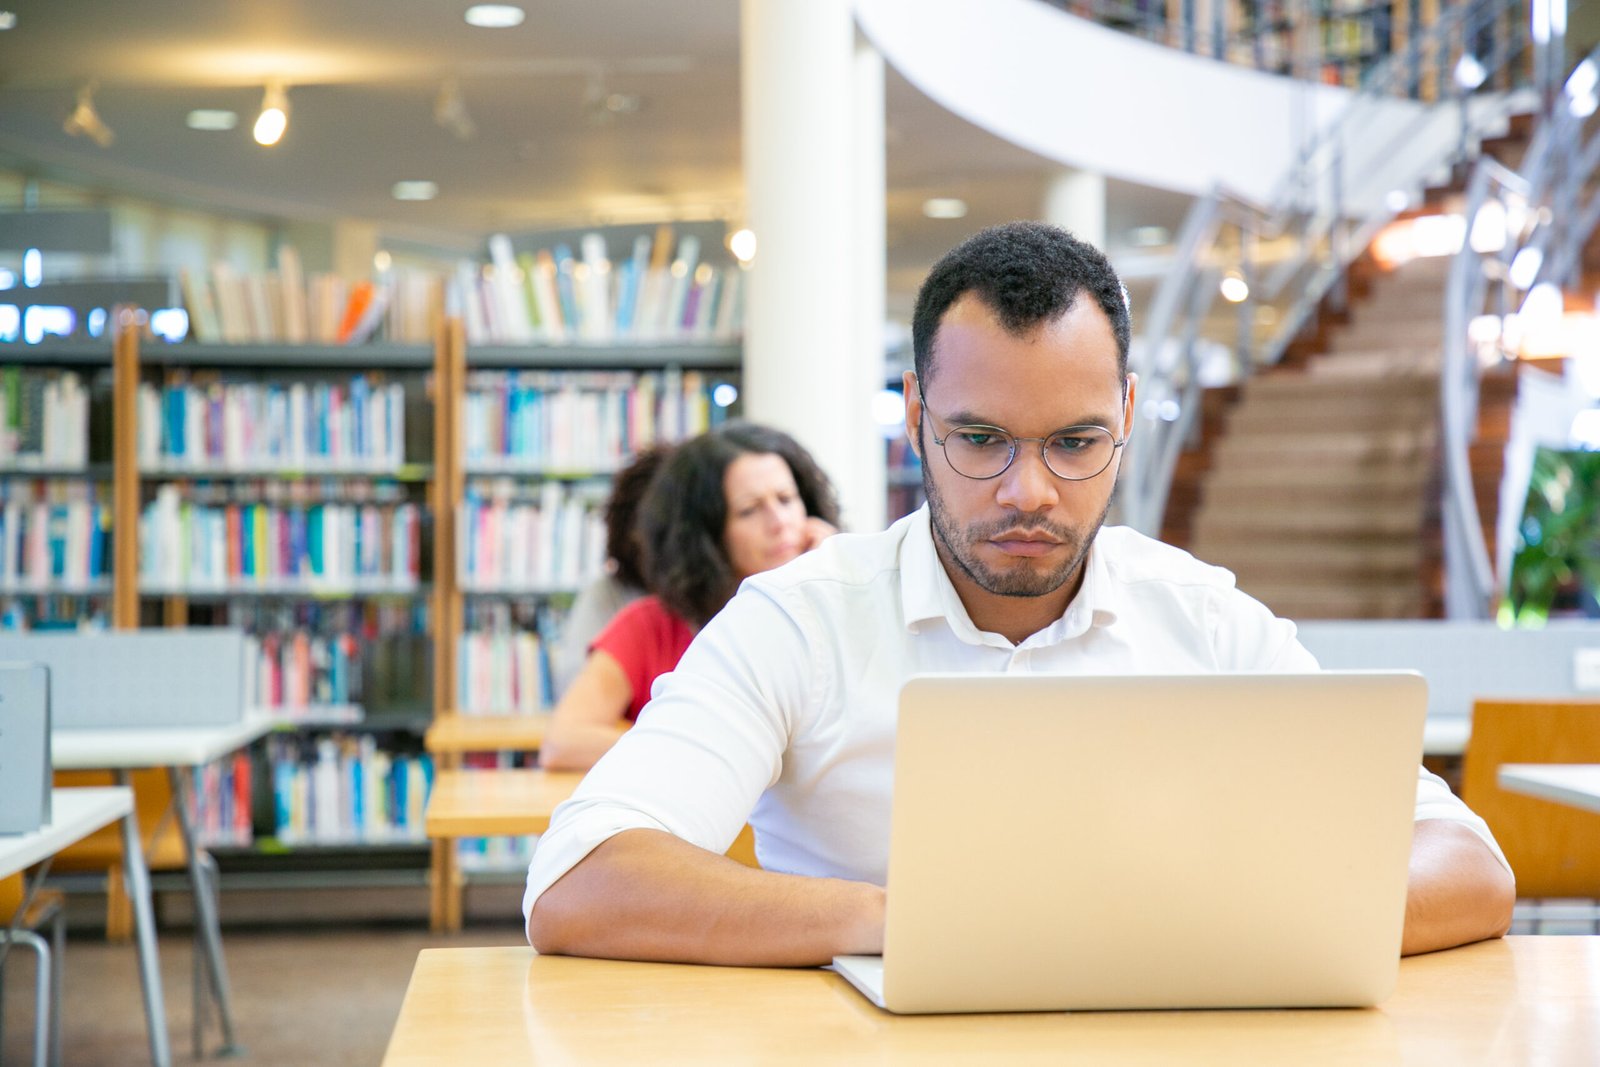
(1076, 453)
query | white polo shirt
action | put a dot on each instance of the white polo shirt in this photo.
(782, 712)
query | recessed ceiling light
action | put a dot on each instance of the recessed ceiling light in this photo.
(495, 16)
(415, 190)
(1150, 236)
(944, 207)
(211, 119)
(8, 20)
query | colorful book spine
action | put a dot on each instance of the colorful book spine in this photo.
(345, 789)
(54, 534)
(554, 540)
(358, 425)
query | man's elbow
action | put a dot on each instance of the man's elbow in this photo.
(550, 923)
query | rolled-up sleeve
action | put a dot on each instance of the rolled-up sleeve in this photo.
(708, 744)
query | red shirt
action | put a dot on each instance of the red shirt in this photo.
(647, 641)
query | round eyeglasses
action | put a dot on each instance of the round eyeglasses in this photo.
(1074, 453)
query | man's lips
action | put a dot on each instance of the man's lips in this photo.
(1023, 544)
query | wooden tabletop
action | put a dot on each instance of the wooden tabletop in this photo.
(454, 732)
(1520, 1000)
(1574, 784)
(475, 802)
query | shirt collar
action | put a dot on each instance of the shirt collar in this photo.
(926, 592)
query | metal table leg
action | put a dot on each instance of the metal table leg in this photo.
(205, 903)
(138, 878)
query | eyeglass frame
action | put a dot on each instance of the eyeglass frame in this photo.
(1017, 439)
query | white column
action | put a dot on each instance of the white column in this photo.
(867, 492)
(804, 369)
(1076, 200)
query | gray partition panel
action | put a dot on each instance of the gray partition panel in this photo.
(24, 747)
(138, 678)
(1466, 661)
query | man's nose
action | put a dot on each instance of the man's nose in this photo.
(1028, 485)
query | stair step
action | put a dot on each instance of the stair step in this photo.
(1341, 493)
(1381, 481)
(1250, 564)
(1353, 449)
(1334, 387)
(1341, 603)
(1306, 524)
(1412, 367)
(1377, 415)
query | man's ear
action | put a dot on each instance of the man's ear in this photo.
(1127, 406)
(908, 386)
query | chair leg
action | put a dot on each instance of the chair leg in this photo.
(42, 987)
(58, 935)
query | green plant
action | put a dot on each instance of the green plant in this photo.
(1557, 560)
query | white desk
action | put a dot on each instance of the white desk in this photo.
(1573, 784)
(139, 748)
(176, 749)
(1446, 737)
(74, 815)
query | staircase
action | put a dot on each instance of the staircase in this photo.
(1320, 488)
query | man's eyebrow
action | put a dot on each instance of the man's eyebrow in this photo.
(965, 417)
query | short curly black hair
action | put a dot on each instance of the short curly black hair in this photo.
(1028, 273)
(628, 488)
(684, 514)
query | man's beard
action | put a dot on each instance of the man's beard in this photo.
(1019, 581)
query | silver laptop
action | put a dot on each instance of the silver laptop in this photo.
(1206, 841)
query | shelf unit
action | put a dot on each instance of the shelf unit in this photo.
(454, 590)
(439, 480)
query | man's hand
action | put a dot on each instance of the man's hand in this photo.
(646, 895)
(1457, 891)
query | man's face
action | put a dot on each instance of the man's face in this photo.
(1026, 532)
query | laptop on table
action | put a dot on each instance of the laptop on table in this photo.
(1204, 841)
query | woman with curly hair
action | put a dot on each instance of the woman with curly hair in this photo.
(730, 503)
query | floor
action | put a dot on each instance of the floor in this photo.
(315, 995)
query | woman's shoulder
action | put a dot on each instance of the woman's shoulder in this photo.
(646, 613)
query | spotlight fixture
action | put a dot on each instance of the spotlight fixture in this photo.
(8, 20)
(494, 16)
(274, 117)
(742, 243)
(450, 111)
(1234, 288)
(85, 121)
(944, 207)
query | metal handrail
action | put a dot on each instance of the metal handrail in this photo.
(1548, 215)
(1293, 252)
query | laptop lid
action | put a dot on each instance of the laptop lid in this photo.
(1222, 840)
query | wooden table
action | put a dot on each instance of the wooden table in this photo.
(1574, 784)
(453, 733)
(74, 815)
(1520, 1000)
(488, 801)
(483, 802)
(178, 749)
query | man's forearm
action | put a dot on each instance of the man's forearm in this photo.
(1457, 891)
(647, 895)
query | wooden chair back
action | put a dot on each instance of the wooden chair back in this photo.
(1553, 849)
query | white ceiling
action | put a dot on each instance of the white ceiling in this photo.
(363, 76)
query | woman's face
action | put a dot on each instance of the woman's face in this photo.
(766, 517)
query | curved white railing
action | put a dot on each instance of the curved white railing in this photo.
(1524, 227)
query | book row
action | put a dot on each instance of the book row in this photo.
(371, 547)
(345, 789)
(503, 672)
(357, 423)
(578, 421)
(660, 290)
(233, 307)
(51, 545)
(296, 671)
(220, 801)
(556, 541)
(44, 419)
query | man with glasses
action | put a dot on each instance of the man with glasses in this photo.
(782, 712)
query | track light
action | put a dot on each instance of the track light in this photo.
(85, 121)
(450, 111)
(274, 117)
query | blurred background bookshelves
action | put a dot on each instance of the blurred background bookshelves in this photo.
(401, 528)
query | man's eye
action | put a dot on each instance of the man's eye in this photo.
(1071, 443)
(978, 439)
